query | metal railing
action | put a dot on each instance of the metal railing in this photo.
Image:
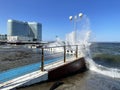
(65, 50)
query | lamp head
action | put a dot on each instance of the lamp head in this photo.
(70, 17)
(80, 15)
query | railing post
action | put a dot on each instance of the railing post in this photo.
(64, 54)
(76, 51)
(42, 60)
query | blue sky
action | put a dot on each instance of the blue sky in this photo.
(104, 16)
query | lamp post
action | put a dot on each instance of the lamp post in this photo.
(75, 19)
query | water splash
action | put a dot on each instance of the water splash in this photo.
(55, 46)
(81, 37)
(112, 72)
(57, 42)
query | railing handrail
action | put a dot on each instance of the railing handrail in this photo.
(60, 46)
(64, 51)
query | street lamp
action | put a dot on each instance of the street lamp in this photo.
(80, 15)
(75, 19)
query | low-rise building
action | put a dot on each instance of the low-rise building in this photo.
(19, 39)
(3, 37)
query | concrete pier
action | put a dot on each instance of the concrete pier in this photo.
(51, 72)
(51, 69)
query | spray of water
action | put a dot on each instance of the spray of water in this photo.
(82, 38)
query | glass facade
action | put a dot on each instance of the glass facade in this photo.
(26, 29)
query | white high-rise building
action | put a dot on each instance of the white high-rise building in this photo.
(25, 31)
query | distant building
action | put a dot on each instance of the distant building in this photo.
(3, 37)
(24, 31)
(18, 38)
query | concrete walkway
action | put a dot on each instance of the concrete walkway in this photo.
(33, 77)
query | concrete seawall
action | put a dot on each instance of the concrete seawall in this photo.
(67, 69)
